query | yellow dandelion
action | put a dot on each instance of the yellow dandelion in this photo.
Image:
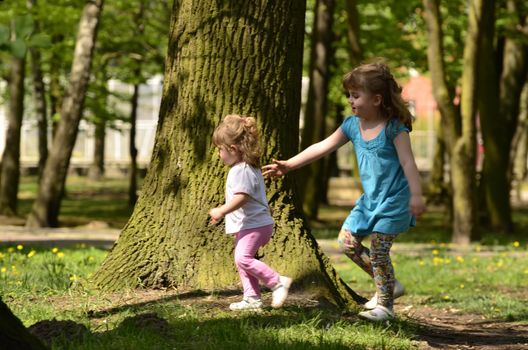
(516, 244)
(421, 263)
(2, 255)
(91, 258)
(20, 247)
(460, 259)
(446, 297)
(10, 249)
(31, 253)
(55, 250)
(4, 270)
(447, 261)
(73, 278)
(435, 252)
(525, 271)
(60, 255)
(500, 263)
(461, 286)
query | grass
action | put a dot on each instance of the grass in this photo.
(49, 283)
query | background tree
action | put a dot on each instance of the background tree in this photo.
(311, 177)
(503, 64)
(227, 57)
(47, 204)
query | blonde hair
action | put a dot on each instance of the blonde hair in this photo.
(377, 79)
(242, 132)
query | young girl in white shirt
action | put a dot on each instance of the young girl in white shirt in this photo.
(246, 212)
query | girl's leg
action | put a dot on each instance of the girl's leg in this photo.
(382, 268)
(250, 269)
(350, 244)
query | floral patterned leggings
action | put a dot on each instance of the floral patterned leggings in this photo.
(376, 262)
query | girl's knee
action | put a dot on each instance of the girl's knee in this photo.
(242, 261)
(347, 243)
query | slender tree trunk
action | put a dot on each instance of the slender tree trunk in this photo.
(97, 169)
(39, 100)
(355, 51)
(10, 174)
(132, 187)
(312, 176)
(13, 334)
(519, 169)
(459, 130)
(499, 110)
(222, 59)
(56, 90)
(45, 211)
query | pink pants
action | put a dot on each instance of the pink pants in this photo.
(251, 270)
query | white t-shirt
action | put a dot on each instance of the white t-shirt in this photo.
(243, 178)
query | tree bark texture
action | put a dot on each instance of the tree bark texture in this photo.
(13, 334)
(223, 57)
(132, 185)
(97, 169)
(39, 98)
(312, 176)
(501, 84)
(10, 174)
(459, 128)
(355, 51)
(45, 211)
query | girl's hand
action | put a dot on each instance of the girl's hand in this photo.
(216, 215)
(278, 168)
(417, 205)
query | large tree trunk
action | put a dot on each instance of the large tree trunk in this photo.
(499, 110)
(13, 334)
(459, 129)
(222, 59)
(39, 98)
(10, 174)
(45, 211)
(311, 177)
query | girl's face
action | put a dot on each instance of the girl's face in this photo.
(364, 104)
(229, 155)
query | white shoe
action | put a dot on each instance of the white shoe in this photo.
(280, 291)
(399, 290)
(247, 304)
(379, 313)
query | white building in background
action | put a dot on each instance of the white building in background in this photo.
(117, 156)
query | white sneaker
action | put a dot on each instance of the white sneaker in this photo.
(399, 290)
(247, 304)
(280, 291)
(379, 313)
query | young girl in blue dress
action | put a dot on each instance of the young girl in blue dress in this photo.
(392, 199)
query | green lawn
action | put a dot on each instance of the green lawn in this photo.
(49, 283)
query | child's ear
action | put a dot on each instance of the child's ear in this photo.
(377, 100)
(233, 148)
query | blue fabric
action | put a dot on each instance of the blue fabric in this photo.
(384, 205)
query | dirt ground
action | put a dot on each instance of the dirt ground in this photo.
(438, 329)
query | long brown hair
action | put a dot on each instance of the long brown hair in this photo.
(242, 132)
(377, 79)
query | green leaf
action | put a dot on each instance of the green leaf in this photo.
(23, 26)
(18, 48)
(40, 40)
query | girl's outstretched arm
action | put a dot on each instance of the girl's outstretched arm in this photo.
(402, 142)
(310, 154)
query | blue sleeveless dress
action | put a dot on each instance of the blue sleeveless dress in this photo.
(384, 205)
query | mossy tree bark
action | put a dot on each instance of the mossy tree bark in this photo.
(223, 57)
